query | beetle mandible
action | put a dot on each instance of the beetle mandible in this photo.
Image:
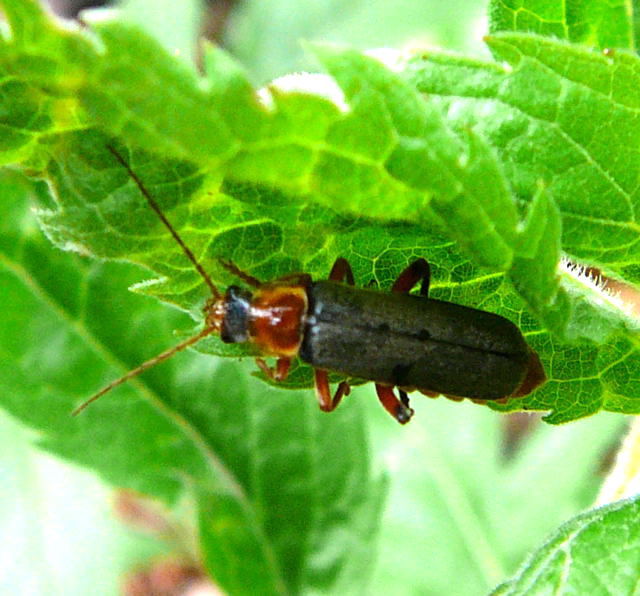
(397, 340)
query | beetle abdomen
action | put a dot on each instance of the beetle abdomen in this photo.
(412, 341)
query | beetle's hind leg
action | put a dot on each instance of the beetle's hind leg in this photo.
(418, 270)
(398, 408)
(327, 403)
(404, 398)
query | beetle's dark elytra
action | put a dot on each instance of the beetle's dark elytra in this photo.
(413, 341)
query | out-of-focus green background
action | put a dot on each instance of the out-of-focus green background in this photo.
(457, 488)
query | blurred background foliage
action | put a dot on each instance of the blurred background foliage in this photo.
(471, 492)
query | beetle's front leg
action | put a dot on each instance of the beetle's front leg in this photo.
(327, 403)
(277, 373)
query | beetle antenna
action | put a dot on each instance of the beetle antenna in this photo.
(152, 203)
(144, 366)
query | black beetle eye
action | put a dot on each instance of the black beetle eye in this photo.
(235, 326)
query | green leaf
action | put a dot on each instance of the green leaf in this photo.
(384, 157)
(26, 116)
(188, 425)
(561, 115)
(593, 23)
(421, 153)
(268, 236)
(598, 552)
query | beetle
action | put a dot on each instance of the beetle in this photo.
(397, 339)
